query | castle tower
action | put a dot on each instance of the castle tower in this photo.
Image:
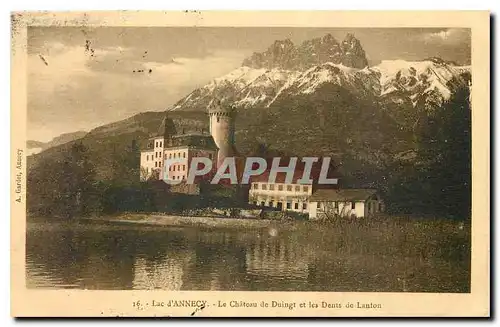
(222, 128)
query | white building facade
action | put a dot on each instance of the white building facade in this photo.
(152, 158)
(286, 197)
(331, 203)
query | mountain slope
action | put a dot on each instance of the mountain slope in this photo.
(37, 146)
(396, 80)
(418, 79)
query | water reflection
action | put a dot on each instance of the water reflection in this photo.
(100, 256)
(278, 257)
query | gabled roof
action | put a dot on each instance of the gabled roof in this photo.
(322, 195)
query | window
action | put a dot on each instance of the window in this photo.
(174, 155)
(147, 170)
(264, 186)
(156, 164)
(297, 188)
(161, 143)
(210, 156)
(304, 206)
(288, 205)
(289, 188)
(147, 157)
(156, 154)
(262, 203)
(156, 144)
(353, 205)
(174, 168)
(170, 156)
(256, 186)
(184, 154)
(271, 187)
(255, 203)
(296, 206)
(271, 204)
(318, 205)
(160, 154)
(218, 119)
(280, 187)
(184, 167)
(306, 188)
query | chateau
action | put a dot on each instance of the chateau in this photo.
(177, 148)
(181, 147)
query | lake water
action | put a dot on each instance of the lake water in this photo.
(123, 256)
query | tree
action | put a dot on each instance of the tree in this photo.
(143, 174)
(444, 154)
(64, 186)
(77, 183)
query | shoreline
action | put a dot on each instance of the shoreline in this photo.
(189, 221)
(398, 224)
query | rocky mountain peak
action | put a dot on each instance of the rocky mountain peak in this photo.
(328, 38)
(354, 55)
(283, 54)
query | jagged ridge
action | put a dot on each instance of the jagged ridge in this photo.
(283, 54)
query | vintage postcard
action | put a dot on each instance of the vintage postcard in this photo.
(250, 164)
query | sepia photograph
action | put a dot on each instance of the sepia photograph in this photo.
(291, 159)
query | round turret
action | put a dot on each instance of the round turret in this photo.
(222, 128)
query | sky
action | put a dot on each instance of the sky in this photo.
(81, 78)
